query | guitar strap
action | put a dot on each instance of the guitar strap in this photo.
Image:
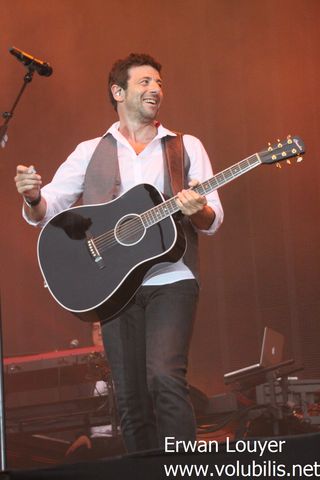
(177, 162)
(176, 179)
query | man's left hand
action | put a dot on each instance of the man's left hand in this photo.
(189, 201)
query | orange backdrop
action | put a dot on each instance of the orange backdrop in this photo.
(237, 74)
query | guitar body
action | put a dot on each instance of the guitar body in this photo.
(93, 258)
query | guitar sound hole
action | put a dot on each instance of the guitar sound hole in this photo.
(129, 230)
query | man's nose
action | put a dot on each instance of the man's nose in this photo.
(155, 87)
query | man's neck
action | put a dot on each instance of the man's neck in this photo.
(138, 134)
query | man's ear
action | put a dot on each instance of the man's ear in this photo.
(117, 92)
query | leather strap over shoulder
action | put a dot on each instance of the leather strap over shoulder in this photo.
(176, 162)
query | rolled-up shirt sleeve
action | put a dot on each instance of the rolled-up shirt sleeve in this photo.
(201, 169)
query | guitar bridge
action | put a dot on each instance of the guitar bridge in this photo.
(94, 252)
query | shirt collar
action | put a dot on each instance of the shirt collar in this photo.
(162, 131)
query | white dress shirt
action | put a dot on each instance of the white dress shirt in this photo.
(146, 167)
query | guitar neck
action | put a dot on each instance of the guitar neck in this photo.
(169, 207)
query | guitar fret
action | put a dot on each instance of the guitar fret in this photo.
(244, 164)
(220, 178)
(146, 218)
(160, 212)
(235, 170)
(201, 189)
(153, 216)
(172, 205)
(227, 174)
(213, 184)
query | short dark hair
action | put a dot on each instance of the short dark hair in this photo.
(119, 73)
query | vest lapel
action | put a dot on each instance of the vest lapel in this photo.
(102, 179)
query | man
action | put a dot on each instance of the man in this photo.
(147, 346)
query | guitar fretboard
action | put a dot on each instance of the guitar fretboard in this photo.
(169, 207)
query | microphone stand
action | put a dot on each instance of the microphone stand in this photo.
(8, 115)
(2, 405)
(3, 138)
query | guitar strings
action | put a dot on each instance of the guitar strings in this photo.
(131, 228)
(111, 241)
(108, 238)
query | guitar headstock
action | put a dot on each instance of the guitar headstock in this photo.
(292, 147)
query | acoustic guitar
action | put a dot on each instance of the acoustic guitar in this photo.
(94, 257)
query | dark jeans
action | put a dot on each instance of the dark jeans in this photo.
(147, 348)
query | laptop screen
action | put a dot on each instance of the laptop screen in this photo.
(271, 353)
(272, 347)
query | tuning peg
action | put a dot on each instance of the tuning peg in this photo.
(299, 159)
(269, 147)
(288, 161)
(278, 165)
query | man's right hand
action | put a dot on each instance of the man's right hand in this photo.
(28, 182)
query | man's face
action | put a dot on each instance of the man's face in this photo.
(143, 96)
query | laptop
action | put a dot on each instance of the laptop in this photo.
(271, 354)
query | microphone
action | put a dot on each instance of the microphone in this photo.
(42, 68)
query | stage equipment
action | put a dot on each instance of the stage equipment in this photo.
(268, 370)
(53, 391)
(271, 354)
(52, 373)
(302, 396)
(78, 414)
